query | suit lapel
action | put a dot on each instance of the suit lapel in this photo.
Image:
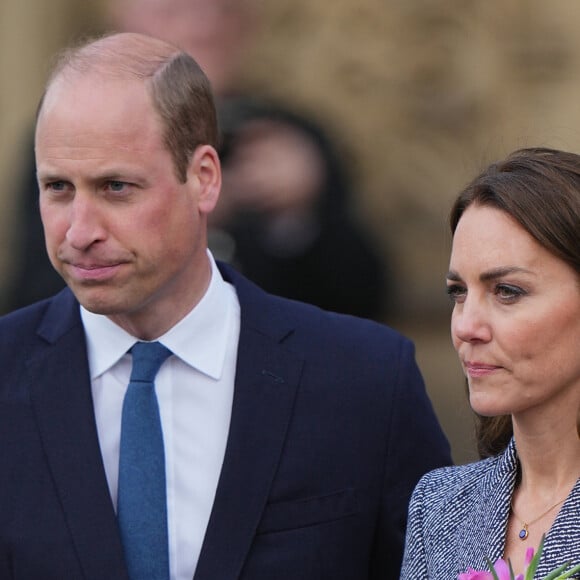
(267, 378)
(61, 397)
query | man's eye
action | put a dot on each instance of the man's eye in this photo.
(116, 186)
(56, 185)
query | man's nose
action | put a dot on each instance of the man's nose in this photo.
(85, 222)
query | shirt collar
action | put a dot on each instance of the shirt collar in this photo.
(199, 339)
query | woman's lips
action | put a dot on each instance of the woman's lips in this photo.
(479, 369)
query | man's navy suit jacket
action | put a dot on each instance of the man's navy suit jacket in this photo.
(330, 430)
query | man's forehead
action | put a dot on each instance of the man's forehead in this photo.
(94, 78)
(91, 89)
(85, 113)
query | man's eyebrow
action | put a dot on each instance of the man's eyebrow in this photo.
(49, 176)
(106, 175)
(492, 274)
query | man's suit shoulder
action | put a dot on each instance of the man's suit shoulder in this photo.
(311, 330)
(340, 326)
(41, 323)
(344, 340)
(20, 324)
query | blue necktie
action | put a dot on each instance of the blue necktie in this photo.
(141, 499)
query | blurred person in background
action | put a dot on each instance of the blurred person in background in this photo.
(217, 33)
(286, 206)
(286, 217)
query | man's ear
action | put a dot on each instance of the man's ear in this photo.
(204, 172)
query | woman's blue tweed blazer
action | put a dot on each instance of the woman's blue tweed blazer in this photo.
(458, 516)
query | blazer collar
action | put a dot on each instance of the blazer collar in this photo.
(267, 379)
(482, 534)
(259, 310)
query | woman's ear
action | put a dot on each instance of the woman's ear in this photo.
(204, 172)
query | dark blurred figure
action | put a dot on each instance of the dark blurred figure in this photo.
(34, 277)
(286, 220)
(286, 205)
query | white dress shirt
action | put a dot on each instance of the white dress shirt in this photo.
(195, 392)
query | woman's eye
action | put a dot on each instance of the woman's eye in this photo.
(456, 292)
(509, 293)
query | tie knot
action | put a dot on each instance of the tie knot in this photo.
(147, 359)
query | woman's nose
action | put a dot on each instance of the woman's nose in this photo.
(470, 321)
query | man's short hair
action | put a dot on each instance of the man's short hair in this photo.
(180, 91)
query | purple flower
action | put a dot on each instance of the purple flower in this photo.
(529, 557)
(501, 569)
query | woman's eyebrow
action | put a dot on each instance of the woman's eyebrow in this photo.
(492, 274)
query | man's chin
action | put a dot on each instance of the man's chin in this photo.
(97, 301)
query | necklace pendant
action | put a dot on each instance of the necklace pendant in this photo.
(523, 535)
